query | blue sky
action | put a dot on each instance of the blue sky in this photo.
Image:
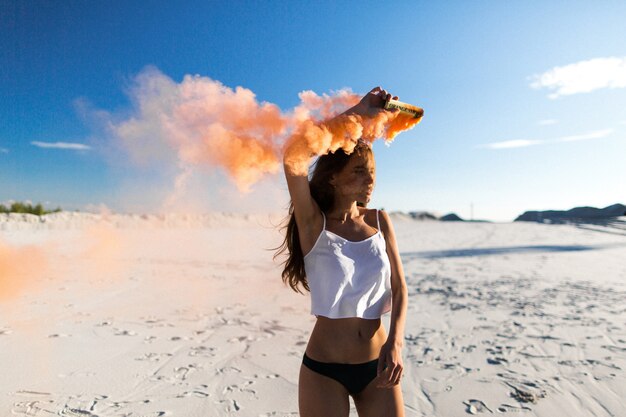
(524, 101)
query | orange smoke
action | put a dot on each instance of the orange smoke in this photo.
(99, 260)
(341, 132)
(20, 268)
(399, 124)
(214, 125)
(102, 248)
(206, 124)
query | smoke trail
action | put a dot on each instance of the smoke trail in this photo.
(97, 252)
(401, 123)
(20, 268)
(102, 248)
(205, 125)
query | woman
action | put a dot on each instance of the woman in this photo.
(346, 255)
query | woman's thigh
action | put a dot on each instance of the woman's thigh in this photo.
(380, 402)
(319, 395)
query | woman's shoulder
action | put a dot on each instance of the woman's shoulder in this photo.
(372, 211)
(375, 217)
(383, 220)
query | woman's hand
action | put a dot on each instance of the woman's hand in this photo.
(390, 365)
(372, 103)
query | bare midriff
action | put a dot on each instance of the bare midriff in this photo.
(351, 340)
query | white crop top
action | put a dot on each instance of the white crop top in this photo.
(349, 279)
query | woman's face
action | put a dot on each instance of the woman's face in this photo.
(356, 180)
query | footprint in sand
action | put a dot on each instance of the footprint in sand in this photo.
(507, 408)
(240, 388)
(497, 361)
(29, 408)
(525, 395)
(231, 405)
(57, 335)
(257, 376)
(199, 391)
(5, 332)
(31, 393)
(246, 338)
(227, 369)
(153, 357)
(76, 412)
(152, 321)
(476, 406)
(181, 372)
(123, 332)
(204, 351)
(616, 349)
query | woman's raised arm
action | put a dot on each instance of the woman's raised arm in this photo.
(300, 151)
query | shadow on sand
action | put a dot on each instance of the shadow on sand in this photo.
(452, 253)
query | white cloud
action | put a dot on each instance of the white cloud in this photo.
(548, 122)
(4, 150)
(61, 145)
(517, 143)
(591, 135)
(583, 77)
(520, 143)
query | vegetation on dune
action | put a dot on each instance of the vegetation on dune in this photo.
(18, 207)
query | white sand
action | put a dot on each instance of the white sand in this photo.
(187, 316)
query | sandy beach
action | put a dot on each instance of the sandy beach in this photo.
(119, 315)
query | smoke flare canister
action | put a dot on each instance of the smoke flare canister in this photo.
(409, 109)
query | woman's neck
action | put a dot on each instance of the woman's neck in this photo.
(343, 212)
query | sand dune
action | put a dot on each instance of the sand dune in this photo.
(187, 316)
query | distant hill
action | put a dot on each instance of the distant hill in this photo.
(413, 215)
(422, 215)
(573, 215)
(429, 216)
(452, 217)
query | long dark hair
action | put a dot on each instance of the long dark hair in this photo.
(322, 192)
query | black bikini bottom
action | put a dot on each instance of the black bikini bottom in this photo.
(354, 377)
